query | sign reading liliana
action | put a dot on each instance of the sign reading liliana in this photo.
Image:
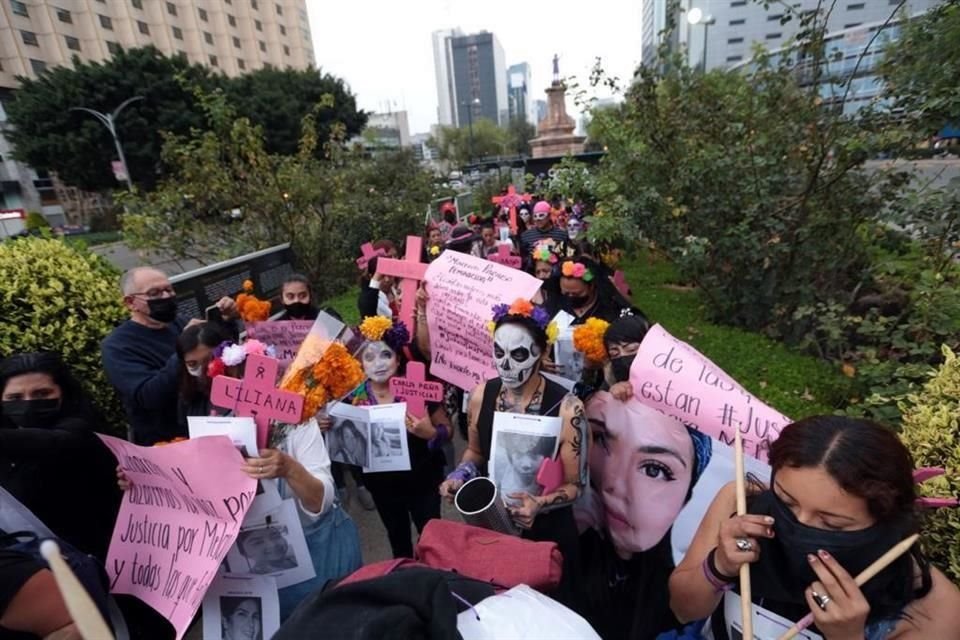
(178, 519)
(673, 377)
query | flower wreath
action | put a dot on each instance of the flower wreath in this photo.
(579, 270)
(393, 332)
(588, 339)
(228, 354)
(525, 309)
(332, 377)
(544, 253)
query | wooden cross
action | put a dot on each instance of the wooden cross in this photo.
(504, 256)
(369, 253)
(416, 390)
(410, 270)
(511, 200)
(256, 396)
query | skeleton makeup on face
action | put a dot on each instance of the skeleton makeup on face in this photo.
(540, 216)
(379, 362)
(574, 227)
(516, 355)
(525, 215)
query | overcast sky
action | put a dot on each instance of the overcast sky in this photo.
(383, 49)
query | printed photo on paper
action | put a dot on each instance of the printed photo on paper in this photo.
(520, 445)
(273, 544)
(388, 438)
(241, 607)
(348, 440)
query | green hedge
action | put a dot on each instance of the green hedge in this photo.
(59, 298)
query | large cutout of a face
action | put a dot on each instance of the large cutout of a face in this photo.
(516, 355)
(379, 362)
(641, 463)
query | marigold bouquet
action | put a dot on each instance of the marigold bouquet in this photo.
(250, 307)
(588, 339)
(333, 376)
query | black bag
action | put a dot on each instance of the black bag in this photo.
(86, 567)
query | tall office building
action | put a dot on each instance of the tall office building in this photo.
(443, 70)
(518, 92)
(735, 26)
(479, 79)
(232, 36)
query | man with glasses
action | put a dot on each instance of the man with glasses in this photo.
(140, 356)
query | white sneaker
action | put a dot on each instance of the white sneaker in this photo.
(366, 500)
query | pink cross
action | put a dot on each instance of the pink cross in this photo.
(620, 282)
(411, 271)
(504, 257)
(416, 390)
(511, 200)
(256, 396)
(369, 253)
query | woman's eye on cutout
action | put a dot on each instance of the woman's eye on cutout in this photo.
(656, 470)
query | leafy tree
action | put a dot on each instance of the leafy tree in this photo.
(921, 70)
(458, 146)
(229, 196)
(519, 134)
(277, 101)
(47, 135)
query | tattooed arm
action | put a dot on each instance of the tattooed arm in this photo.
(473, 453)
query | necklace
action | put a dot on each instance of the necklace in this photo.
(513, 403)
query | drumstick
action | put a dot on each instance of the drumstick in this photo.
(746, 597)
(879, 565)
(79, 603)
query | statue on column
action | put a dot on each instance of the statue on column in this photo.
(556, 69)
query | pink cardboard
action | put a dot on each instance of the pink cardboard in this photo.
(285, 336)
(504, 257)
(416, 390)
(177, 520)
(369, 253)
(620, 282)
(410, 270)
(257, 396)
(511, 200)
(676, 379)
(462, 292)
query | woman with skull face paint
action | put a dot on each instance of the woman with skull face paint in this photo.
(520, 341)
(50, 458)
(841, 494)
(402, 496)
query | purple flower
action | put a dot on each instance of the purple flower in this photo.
(218, 350)
(499, 311)
(540, 316)
(397, 336)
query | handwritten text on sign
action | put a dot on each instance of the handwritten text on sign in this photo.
(177, 521)
(416, 390)
(285, 336)
(675, 378)
(462, 293)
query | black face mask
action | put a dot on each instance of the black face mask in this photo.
(576, 302)
(32, 414)
(621, 367)
(163, 309)
(300, 310)
(784, 572)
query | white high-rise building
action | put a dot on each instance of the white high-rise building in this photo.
(443, 69)
(729, 29)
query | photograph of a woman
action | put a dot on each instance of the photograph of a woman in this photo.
(347, 442)
(241, 618)
(266, 549)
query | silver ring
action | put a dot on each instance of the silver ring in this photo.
(744, 545)
(821, 600)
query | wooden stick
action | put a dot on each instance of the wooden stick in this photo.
(878, 565)
(746, 596)
(79, 603)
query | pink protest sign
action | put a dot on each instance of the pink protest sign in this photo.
(411, 271)
(620, 282)
(504, 257)
(285, 336)
(368, 254)
(673, 377)
(416, 390)
(256, 396)
(463, 290)
(177, 521)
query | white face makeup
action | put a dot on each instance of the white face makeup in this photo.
(525, 215)
(540, 216)
(574, 227)
(379, 361)
(516, 355)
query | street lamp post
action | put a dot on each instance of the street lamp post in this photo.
(472, 103)
(697, 16)
(109, 121)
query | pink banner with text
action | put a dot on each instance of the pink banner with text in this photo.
(177, 521)
(463, 291)
(673, 377)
